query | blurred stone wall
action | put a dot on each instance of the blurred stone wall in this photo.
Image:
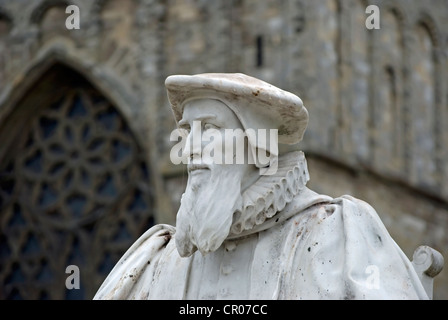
(378, 99)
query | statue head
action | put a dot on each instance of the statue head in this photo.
(232, 125)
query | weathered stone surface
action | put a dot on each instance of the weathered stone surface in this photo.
(378, 98)
(254, 230)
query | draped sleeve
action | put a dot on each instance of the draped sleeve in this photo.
(131, 276)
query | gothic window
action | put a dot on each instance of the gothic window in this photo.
(424, 120)
(74, 189)
(299, 17)
(388, 120)
(259, 51)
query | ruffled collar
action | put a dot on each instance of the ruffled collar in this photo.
(270, 194)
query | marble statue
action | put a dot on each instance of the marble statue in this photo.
(244, 231)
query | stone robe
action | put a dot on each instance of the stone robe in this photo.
(317, 247)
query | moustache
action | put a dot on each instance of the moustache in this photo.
(197, 166)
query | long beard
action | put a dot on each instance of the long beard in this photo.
(206, 211)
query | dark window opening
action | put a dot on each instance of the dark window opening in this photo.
(259, 51)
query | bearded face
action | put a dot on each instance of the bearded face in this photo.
(214, 188)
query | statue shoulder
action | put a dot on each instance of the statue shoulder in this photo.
(135, 263)
(346, 234)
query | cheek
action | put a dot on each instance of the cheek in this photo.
(219, 147)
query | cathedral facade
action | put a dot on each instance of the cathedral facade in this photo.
(85, 122)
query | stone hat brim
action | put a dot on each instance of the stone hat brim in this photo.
(257, 104)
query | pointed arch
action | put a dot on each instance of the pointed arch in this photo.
(426, 21)
(389, 122)
(75, 186)
(111, 87)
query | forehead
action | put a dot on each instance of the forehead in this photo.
(209, 108)
(199, 106)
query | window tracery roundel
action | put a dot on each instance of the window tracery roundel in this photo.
(74, 190)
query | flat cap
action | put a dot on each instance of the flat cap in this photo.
(256, 103)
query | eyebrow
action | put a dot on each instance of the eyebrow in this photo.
(184, 122)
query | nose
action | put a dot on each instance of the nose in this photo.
(193, 145)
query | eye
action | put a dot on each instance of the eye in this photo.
(208, 126)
